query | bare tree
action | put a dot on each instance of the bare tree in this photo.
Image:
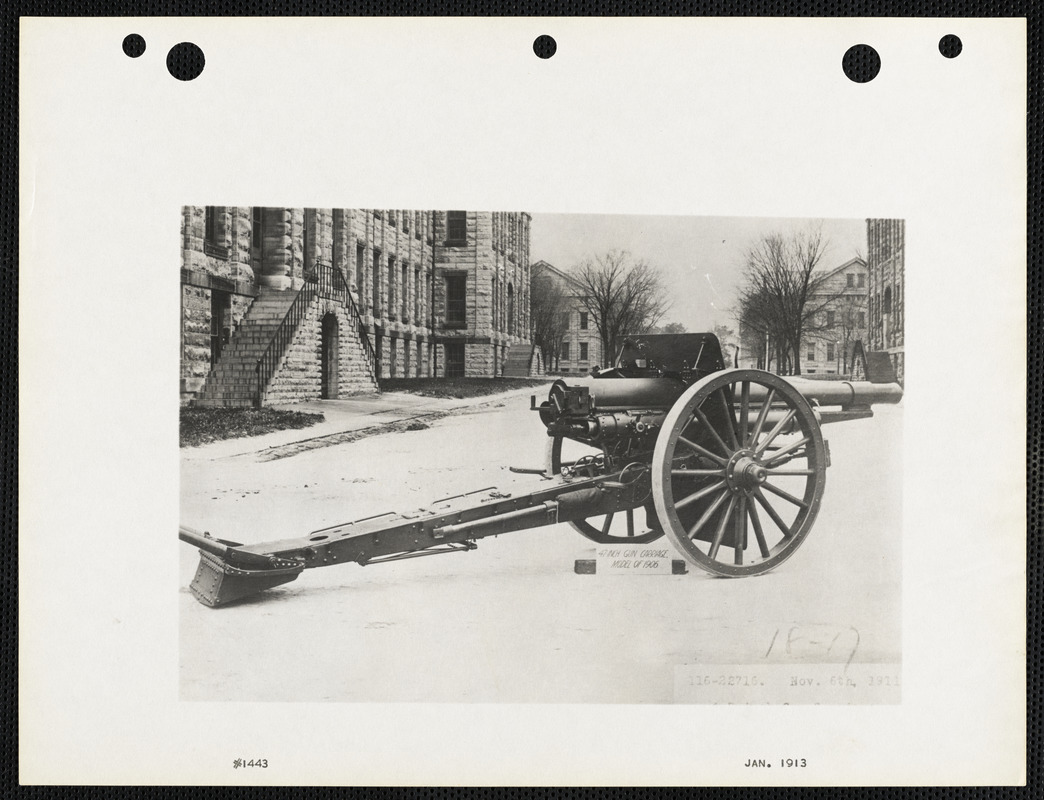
(549, 315)
(623, 296)
(848, 310)
(782, 296)
(670, 327)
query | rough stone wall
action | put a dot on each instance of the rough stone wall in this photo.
(494, 258)
(276, 249)
(388, 253)
(299, 378)
(886, 264)
(195, 337)
(404, 241)
(297, 242)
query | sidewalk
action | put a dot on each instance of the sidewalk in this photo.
(354, 414)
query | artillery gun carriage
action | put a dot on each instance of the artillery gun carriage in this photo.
(729, 464)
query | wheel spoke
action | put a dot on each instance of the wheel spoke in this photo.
(707, 514)
(758, 532)
(703, 451)
(706, 423)
(719, 534)
(608, 522)
(630, 522)
(730, 429)
(775, 471)
(696, 473)
(772, 513)
(760, 422)
(785, 495)
(744, 410)
(784, 451)
(775, 432)
(692, 498)
(741, 531)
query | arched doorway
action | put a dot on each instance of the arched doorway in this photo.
(328, 359)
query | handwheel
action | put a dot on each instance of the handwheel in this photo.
(736, 445)
(630, 526)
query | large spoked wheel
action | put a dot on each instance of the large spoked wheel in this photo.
(740, 453)
(630, 526)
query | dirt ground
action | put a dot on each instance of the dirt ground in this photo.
(511, 621)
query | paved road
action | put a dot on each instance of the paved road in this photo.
(511, 621)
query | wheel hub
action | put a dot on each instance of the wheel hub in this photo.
(743, 473)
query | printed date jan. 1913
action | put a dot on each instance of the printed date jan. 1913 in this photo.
(783, 762)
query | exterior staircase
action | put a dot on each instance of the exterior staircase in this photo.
(522, 361)
(233, 380)
(272, 356)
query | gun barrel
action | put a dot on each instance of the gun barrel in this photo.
(839, 393)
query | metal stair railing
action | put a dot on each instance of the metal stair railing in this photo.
(322, 281)
(281, 339)
(332, 285)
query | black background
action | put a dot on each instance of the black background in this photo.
(9, 324)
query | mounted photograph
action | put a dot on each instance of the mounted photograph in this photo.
(665, 452)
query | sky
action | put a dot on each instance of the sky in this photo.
(700, 257)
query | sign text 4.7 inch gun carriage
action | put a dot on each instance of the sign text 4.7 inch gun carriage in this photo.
(729, 464)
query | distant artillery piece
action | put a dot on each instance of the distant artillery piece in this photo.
(702, 451)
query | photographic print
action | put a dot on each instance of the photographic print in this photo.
(622, 425)
(392, 381)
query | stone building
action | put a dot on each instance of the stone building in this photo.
(330, 300)
(580, 347)
(839, 323)
(886, 265)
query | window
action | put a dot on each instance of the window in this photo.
(214, 239)
(888, 300)
(583, 351)
(457, 301)
(338, 241)
(306, 239)
(851, 280)
(406, 220)
(416, 296)
(210, 225)
(375, 280)
(456, 227)
(257, 228)
(455, 359)
(360, 254)
(830, 351)
(391, 287)
(811, 354)
(583, 320)
(565, 350)
(564, 320)
(405, 294)
(511, 310)
(830, 319)
(392, 218)
(861, 319)
(861, 280)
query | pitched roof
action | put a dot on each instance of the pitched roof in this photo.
(846, 265)
(553, 270)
